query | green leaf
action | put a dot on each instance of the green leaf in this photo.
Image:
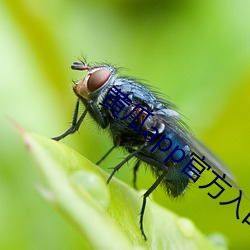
(107, 215)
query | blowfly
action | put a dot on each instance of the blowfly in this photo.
(148, 127)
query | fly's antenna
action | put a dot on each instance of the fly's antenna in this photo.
(80, 66)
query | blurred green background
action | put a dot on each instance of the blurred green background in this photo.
(195, 52)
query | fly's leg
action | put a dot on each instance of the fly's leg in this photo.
(105, 155)
(75, 124)
(124, 161)
(135, 169)
(93, 109)
(145, 196)
(97, 114)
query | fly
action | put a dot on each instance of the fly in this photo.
(148, 140)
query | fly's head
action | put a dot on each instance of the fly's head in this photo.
(95, 80)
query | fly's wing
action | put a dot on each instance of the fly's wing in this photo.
(214, 161)
(211, 159)
(171, 120)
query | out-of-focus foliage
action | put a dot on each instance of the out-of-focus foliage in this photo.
(197, 53)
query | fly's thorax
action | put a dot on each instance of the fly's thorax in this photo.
(94, 84)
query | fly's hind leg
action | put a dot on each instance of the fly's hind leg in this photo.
(135, 169)
(145, 196)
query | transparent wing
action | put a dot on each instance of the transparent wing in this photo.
(214, 161)
(211, 158)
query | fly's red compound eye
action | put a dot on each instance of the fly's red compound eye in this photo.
(97, 79)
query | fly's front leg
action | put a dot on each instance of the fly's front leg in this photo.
(75, 123)
(97, 114)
